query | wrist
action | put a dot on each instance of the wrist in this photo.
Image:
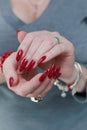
(71, 77)
(64, 86)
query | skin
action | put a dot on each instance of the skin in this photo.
(25, 11)
(34, 46)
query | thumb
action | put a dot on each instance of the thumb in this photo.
(21, 35)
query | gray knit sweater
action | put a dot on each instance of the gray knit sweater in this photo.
(53, 113)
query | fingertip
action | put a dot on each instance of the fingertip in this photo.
(17, 31)
(13, 81)
(21, 34)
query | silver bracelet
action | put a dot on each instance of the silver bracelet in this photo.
(64, 86)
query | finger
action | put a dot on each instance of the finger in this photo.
(33, 47)
(44, 47)
(48, 88)
(9, 70)
(21, 35)
(51, 74)
(65, 47)
(26, 60)
(39, 55)
(24, 87)
(40, 88)
(24, 46)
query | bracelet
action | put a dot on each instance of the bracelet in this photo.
(3, 57)
(64, 87)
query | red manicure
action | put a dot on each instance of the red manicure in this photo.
(69, 85)
(11, 81)
(19, 55)
(17, 31)
(50, 71)
(43, 76)
(23, 65)
(41, 59)
(56, 73)
(30, 66)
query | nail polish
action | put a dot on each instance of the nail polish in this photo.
(30, 66)
(50, 71)
(50, 74)
(41, 59)
(19, 55)
(11, 81)
(23, 65)
(43, 76)
(53, 67)
(17, 31)
(56, 73)
(56, 76)
(69, 85)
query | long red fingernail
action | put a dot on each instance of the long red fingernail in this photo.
(30, 66)
(43, 76)
(57, 73)
(41, 59)
(17, 31)
(11, 81)
(19, 55)
(50, 71)
(23, 65)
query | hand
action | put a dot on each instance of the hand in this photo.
(43, 45)
(25, 84)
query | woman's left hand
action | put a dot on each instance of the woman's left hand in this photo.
(43, 49)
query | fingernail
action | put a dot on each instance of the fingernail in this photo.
(11, 81)
(50, 71)
(56, 73)
(43, 76)
(17, 31)
(30, 66)
(23, 65)
(19, 55)
(41, 59)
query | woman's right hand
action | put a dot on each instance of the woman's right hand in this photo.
(25, 84)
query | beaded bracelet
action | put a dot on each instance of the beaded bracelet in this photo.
(64, 87)
(3, 57)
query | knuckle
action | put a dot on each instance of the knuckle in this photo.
(62, 48)
(38, 38)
